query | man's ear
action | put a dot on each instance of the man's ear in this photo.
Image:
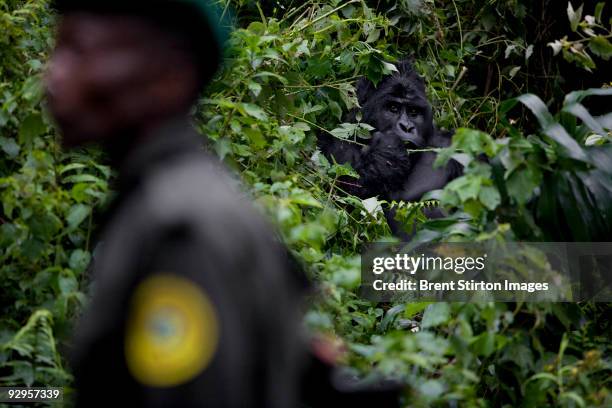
(173, 90)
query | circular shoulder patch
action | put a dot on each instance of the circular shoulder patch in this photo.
(172, 331)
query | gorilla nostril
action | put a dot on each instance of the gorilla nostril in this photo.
(404, 128)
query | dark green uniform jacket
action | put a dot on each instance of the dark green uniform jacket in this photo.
(194, 301)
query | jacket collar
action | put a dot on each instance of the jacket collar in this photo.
(172, 138)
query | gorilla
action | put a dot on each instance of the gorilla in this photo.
(398, 110)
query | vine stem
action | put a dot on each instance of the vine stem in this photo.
(459, 25)
(585, 39)
(323, 129)
(329, 13)
(459, 77)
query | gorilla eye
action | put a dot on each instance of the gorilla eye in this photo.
(393, 107)
(412, 111)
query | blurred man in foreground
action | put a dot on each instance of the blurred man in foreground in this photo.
(194, 301)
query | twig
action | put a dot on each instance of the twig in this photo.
(459, 77)
(323, 129)
(329, 13)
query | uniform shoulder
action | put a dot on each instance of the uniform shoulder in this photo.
(199, 190)
(190, 180)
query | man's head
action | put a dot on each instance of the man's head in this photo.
(117, 71)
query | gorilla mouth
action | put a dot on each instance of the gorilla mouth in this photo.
(411, 145)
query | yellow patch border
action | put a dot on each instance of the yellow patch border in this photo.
(171, 361)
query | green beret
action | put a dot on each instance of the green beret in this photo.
(199, 20)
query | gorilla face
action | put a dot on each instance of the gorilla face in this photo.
(409, 119)
(398, 107)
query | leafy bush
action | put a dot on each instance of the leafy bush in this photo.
(46, 215)
(594, 35)
(289, 75)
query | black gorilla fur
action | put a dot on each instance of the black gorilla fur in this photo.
(399, 111)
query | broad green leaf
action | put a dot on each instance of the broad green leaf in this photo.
(543, 376)
(578, 110)
(411, 309)
(553, 129)
(31, 127)
(72, 166)
(255, 88)
(67, 282)
(32, 89)
(601, 47)
(598, 10)
(44, 225)
(574, 16)
(76, 215)
(432, 388)
(373, 36)
(570, 395)
(522, 183)
(223, 147)
(489, 196)
(466, 187)
(255, 111)
(474, 141)
(519, 354)
(372, 206)
(388, 68)
(9, 146)
(390, 317)
(484, 344)
(435, 314)
(266, 74)
(514, 71)
(556, 46)
(348, 96)
(529, 52)
(256, 138)
(79, 260)
(538, 108)
(8, 234)
(304, 127)
(578, 96)
(335, 108)
(572, 148)
(84, 178)
(305, 199)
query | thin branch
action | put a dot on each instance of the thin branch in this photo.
(329, 13)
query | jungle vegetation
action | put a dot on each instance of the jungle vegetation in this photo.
(526, 83)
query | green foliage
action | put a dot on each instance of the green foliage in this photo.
(46, 214)
(32, 353)
(289, 75)
(595, 35)
(532, 182)
(445, 352)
